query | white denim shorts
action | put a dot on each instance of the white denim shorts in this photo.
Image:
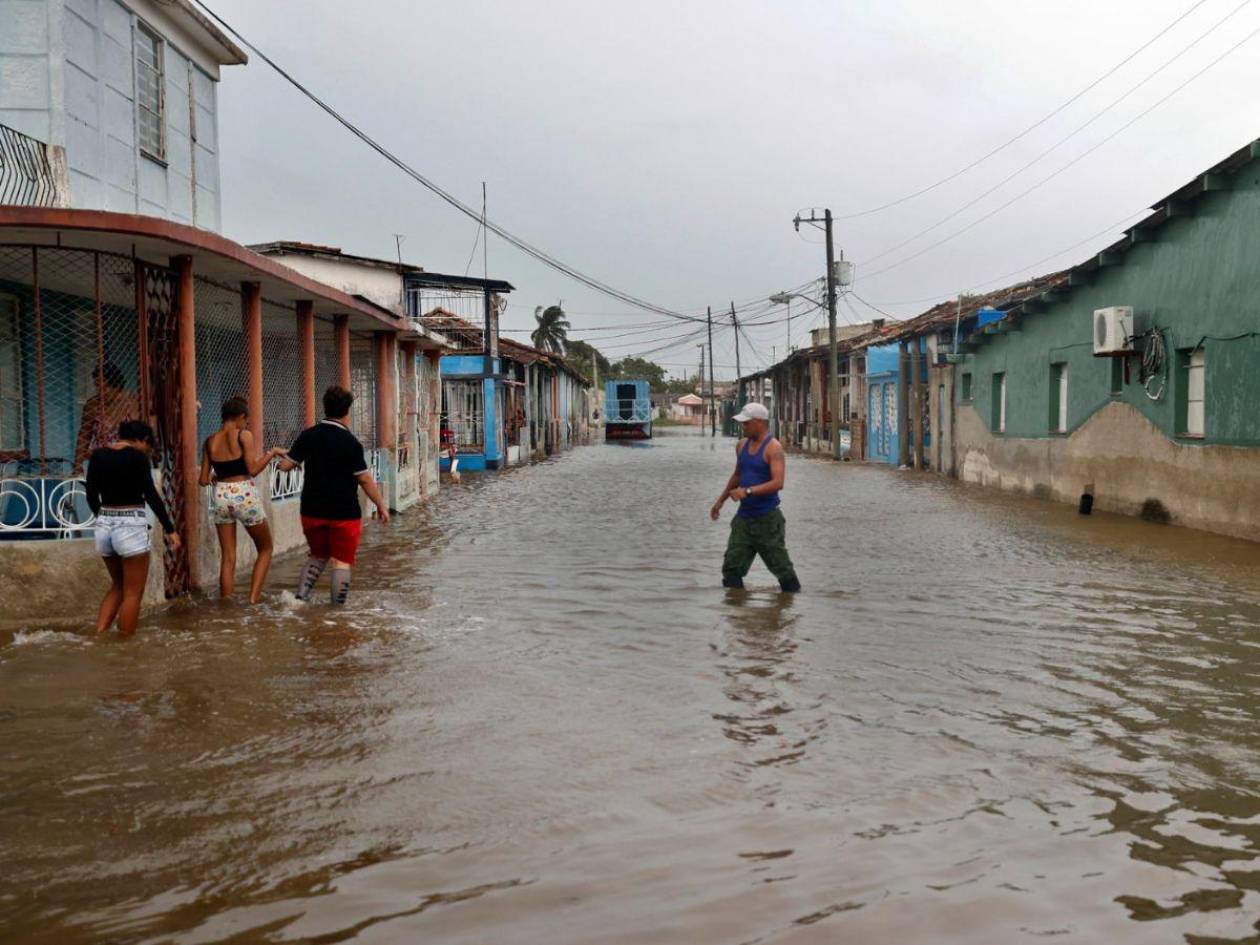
(122, 533)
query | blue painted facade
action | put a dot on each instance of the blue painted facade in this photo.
(470, 368)
(883, 399)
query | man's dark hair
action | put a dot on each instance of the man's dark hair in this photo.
(137, 431)
(337, 401)
(111, 373)
(234, 407)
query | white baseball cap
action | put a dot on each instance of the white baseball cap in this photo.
(752, 412)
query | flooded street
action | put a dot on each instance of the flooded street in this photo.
(541, 720)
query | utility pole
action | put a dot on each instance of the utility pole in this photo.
(712, 402)
(739, 376)
(833, 374)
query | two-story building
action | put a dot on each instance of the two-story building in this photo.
(119, 300)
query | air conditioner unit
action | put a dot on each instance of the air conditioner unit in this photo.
(1113, 330)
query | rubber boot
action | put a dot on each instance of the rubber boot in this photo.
(791, 585)
(734, 582)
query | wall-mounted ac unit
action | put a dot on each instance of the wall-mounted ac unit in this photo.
(1113, 330)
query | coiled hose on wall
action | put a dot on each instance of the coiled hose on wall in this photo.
(1155, 364)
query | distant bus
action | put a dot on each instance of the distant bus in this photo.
(627, 410)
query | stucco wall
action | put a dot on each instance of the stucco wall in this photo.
(381, 286)
(1127, 463)
(1197, 280)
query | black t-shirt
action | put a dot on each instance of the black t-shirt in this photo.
(123, 479)
(332, 459)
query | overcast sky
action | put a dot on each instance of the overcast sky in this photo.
(664, 147)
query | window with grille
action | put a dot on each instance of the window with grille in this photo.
(10, 376)
(150, 98)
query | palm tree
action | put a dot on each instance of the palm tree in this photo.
(552, 332)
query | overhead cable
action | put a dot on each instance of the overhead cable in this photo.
(1058, 144)
(1076, 160)
(530, 250)
(1031, 128)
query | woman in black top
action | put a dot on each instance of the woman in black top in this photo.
(119, 484)
(230, 454)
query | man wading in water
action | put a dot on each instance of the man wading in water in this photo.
(758, 527)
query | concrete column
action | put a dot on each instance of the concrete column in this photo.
(903, 403)
(917, 405)
(341, 329)
(410, 395)
(251, 328)
(384, 343)
(186, 329)
(306, 343)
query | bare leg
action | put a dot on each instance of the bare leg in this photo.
(135, 571)
(339, 589)
(227, 558)
(113, 597)
(260, 534)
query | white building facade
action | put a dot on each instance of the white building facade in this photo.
(122, 97)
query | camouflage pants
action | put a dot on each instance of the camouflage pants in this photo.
(765, 535)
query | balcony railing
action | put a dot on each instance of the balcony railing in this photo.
(28, 171)
(284, 485)
(44, 507)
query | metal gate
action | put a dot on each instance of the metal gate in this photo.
(156, 292)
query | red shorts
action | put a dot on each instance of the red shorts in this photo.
(333, 537)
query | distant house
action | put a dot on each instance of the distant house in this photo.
(688, 408)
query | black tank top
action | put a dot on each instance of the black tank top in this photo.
(228, 468)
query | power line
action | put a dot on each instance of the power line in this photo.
(1058, 144)
(530, 250)
(1076, 160)
(1033, 127)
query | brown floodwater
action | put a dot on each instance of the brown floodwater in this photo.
(540, 720)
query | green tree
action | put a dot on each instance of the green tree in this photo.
(685, 385)
(553, 329)
(583, 357)
(639, 369)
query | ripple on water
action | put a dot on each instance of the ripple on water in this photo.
(539, 715)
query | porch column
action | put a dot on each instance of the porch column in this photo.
(341, 330)
(903, 405)
(386, 389)
(251, 327)
(306, 344)
(186, 330)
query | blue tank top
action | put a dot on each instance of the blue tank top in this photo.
(753, 471)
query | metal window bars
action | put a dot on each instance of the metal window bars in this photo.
(282, 376)
(363, 387)
(26, 174)
(87, 340)
(222, 359)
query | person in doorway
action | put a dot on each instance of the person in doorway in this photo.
(119, 484)
(335, 468)
(108, 407)
(758, 527)
(231, 455)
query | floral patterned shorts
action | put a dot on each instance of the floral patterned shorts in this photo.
(237, 502)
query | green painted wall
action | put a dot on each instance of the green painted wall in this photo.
(1199, 280)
